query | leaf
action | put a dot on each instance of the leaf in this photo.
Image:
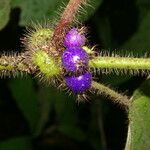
(104, 31)
(20, 143)
(143, 6)
(115, 80)
(72, 131)
(140, 40)
(139, 119)
(67, 116)
(4, 13)
(96, 134)
(36, 10)
(25, 96)
(142, 2)
(40, 11)
(45, 96)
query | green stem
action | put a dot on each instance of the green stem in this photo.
(39, 62)
(20, 67)
(120, 63)
(67, 18)
(116, 97)
(48, 66)
(14, 63)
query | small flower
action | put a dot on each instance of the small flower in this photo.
(75, 59)
(79, 84)
(74, 39)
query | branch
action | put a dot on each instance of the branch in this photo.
(14, 63)
(120, 63)
(116, 97)
(65, 21)
(48, 65)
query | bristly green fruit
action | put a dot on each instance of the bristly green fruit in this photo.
(47, 64)
(40, 38)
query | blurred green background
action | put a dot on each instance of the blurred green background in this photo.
(34, 116)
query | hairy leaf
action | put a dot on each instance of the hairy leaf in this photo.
(24, 93)
(139, 119)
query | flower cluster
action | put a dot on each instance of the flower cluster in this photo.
(75, 61)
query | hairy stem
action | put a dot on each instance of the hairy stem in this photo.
(14, 63)
(47, 65)
(65, 21)
(121, 63)
(39, 62)
(115, 96)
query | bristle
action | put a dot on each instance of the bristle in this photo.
(67, 19)
(34, 36)
(82, 98)
(9, 64)
(55, 80)
(117, 98)
(120, 71)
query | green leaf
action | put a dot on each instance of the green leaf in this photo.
(115, 80)
(25, 96)
(140, 40)
(143, 6)
(139, 119)
(72, 131)
(35, 10)
(142, 2)
(4, 13)
(104, 31)
(96, 125)
(20, 143)
(67, 116)
(45, 97)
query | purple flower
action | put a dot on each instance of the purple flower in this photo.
(79, 84)
(74, 39)
(75, 59)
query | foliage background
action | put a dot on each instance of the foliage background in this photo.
(35, 116)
